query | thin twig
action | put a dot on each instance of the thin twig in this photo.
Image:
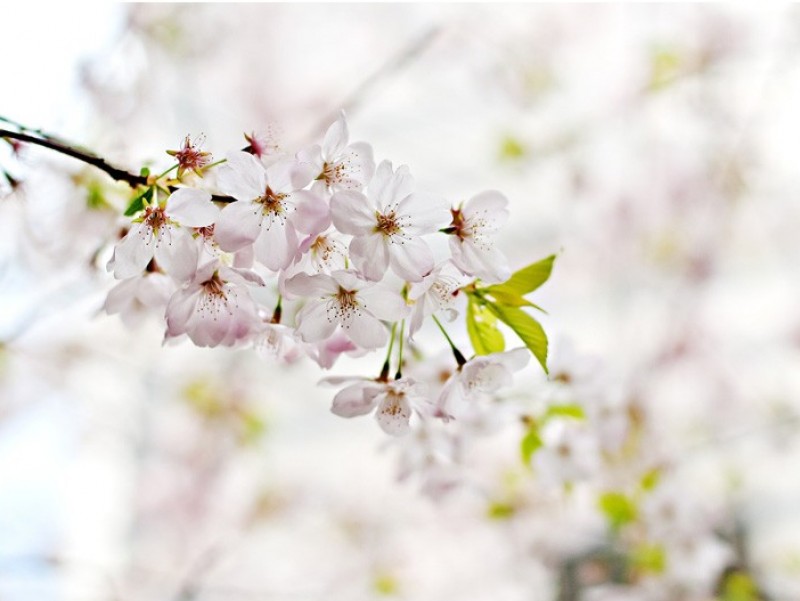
(393, 66)
(71, 150)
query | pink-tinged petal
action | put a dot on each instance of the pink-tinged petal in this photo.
(314, 323)
(490, 206)
(390, 187)
(120, 296)
(311, 286)
(335, 138)
(489, 264)
(339, 380)
(279, 176)
(276, 245)
(361, 163)
(418, 316)
(366, 331)
(427, 213)
(513, 360)
(178, 255)
(206, 270)
(240, 276)
(180, 309)
(411, 259)
(370, 255)
(393, 414)
(330, 350)
(384, 303)
(313, 214)
(451, 398)
(304, 173)
(155, 289)
(353, 213)
(238, 225)
(310, 161)
(244, 258)
(191, 207)
(133, 252)
(485, 375)
(352, 402)
(242, 176)
(348, 279)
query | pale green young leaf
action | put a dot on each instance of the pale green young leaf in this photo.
(618, 508)
(524, 280)
(530, 443)
(526, 327)
(482, 330)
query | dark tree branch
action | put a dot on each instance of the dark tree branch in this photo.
(50, 142)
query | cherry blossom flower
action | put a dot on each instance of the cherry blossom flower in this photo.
(326, 352)
(386, 224)
(344, 299)
(569, 452)
(339, 165)
(394, 401)
(263, 144)
(133, 299)
(161, 232)
(190, 157)
(261, 215)
(321, 253)
(478, 378)
(215, 307)
(437, 291)
(471, 243)
(276, 341)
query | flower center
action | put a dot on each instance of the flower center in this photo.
(214, 286)
(344, 306)
(271, 202)
(154, 218)
(332, 173)
(388, 224)
(324, 250)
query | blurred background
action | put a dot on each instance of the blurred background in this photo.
(653, 147)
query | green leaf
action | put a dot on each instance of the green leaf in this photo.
(650, 479)
(500, 511)
(649, 558)
(482, 330)
(512, 300)
(530, 443)
(137, 204)
(525, 280)
(526, 327)
(95, 197)
(511, 148)
(739, 586)
(618, 509)
(573, 411)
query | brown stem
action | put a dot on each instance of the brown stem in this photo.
(70, 150)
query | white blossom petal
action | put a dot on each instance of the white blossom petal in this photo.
(353, 213)
(411, 260)
(370, 255)
(313, 322)
(242, 176)
(238, 225)
(191, 207)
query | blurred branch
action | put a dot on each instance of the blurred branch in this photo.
(391, 67)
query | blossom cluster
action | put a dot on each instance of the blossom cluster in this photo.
(323, 253)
